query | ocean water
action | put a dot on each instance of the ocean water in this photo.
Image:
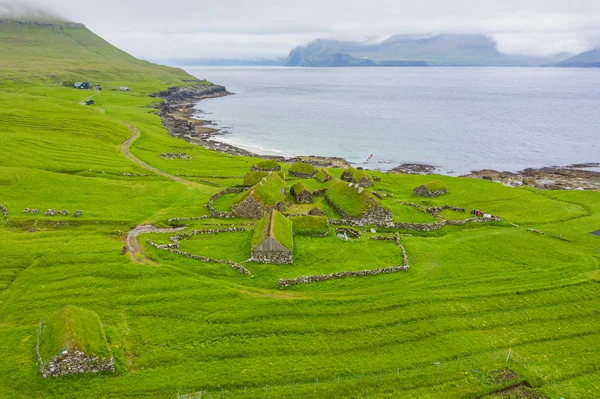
(457, 119)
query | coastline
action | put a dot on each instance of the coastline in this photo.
(179, 118)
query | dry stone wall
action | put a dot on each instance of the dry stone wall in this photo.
(176, 156)
(422, 191)
(222, 214)
(251, 208)
(276, 258)
(324, 277)
(74, 362)
(174, 249)
(360, 273)
(374, 215)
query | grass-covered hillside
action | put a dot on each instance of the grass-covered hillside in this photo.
(59, 51)
(483, 306)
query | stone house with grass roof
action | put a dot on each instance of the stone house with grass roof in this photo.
(301, 193)
(266, 195)
(73, 341)
(273, 240)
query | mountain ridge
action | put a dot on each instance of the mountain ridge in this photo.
(412, 50)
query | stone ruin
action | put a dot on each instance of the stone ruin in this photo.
(316, 212)
(423, 191)
(253, 208)
(75, 361)
(72, 342)
(176, 156)
(52, 212)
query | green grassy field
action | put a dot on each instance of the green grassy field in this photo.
(178, 325)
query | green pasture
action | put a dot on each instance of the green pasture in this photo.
(178, 326)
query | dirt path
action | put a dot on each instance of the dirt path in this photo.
(134, 246)
(125, 150)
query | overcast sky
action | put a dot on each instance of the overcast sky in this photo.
(159, 30)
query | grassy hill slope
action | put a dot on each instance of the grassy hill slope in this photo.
(177, 325)
(51, 52)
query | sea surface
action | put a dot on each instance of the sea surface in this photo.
(457, 119)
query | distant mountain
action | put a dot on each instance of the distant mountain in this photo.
(410, 50)
(589, 59)
(223, 62)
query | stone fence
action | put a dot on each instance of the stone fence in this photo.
(176, 156)
(434, 210)
(324, 277)
(171, 248)
(222, 214)
(360, 273)
(190, 218)
(437, 225)
(320, 192)
(4, 210)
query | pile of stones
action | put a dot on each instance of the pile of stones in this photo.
(76, 362)
(33, 211)
(52, 212)
(176, 156)
(4, 210)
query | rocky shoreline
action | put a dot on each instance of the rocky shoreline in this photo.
(177, 113)
(572, 177)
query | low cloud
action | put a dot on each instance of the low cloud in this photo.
(271, 28)
(23, 9)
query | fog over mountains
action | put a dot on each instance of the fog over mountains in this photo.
(412, 50)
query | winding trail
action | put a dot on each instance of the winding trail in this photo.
(134, 246)
(125, 150)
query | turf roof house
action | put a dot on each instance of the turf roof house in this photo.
(434, 188)
(73, 341)
(262, 198)
(273, 240)
(357, 176)
(302, 194)
(357, 205)
(302, 170)
(266, 166)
